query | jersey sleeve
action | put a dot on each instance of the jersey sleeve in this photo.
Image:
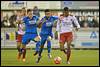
(24, 20)
(42, 20)
(55, 17)
(37, 18)
(75, 21)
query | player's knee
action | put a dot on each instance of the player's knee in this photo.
(49, 38)
(38, 38)
(42, 46)
(61, 43)
(48, 46)
(23, 45)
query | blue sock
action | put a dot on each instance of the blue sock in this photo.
(37, 46)
(49, 46)
(41, 49)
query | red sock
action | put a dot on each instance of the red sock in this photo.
(68, 54)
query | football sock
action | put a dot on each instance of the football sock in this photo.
(23, 52)
(49, 46)
(37, 46)
(68, 53)
(41, 49)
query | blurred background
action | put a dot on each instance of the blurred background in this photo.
(87, 13)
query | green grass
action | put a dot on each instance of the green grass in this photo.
(78, 58)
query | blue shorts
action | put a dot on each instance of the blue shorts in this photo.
(27, 37)
(44, 38)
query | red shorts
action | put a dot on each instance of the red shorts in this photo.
(19, 38)
(65, 37)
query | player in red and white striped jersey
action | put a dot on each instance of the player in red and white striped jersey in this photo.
(20, 31)
(65, 27)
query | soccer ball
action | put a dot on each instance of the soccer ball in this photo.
(57, 60)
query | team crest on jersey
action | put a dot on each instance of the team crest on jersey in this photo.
(48, 24)
(32, 22)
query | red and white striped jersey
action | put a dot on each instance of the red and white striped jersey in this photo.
(65, 24)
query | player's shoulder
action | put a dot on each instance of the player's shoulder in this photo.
(71, 16)
(25, 17)
(54, 16)
(43, 17)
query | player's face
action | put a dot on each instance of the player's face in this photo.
(47, 14)
(30, 14)
(65, 13)
(23, 11)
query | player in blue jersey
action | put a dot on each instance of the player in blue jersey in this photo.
(46, 24)
(30, 31)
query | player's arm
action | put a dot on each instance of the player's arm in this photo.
(55, 20)
(76, 23)
(19, 21)
(40, 22)
(58, 27)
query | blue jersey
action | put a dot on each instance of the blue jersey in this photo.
(47, 24)
(30, 24)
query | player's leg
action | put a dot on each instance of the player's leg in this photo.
(37, 40)
(42, 42)
(69, 41)
(62, 42)
(37, 48)
(25, 41)
(23, 52)
(19, 50)
(41, 46)
(49, 46)
(19, 42)
(18, 46)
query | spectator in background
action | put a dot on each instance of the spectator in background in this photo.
(5, 22)
(36, 11)
(13, 18)
(84, 21)
(95, 22)
(90, 23)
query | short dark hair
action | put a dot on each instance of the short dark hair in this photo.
(28, 10)
(47, 10)
(66, 8)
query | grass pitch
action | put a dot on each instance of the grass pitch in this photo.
(78, 58)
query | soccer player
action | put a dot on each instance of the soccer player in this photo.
(30, 31)
(46, 24)
(64, 27)
(20, 31)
